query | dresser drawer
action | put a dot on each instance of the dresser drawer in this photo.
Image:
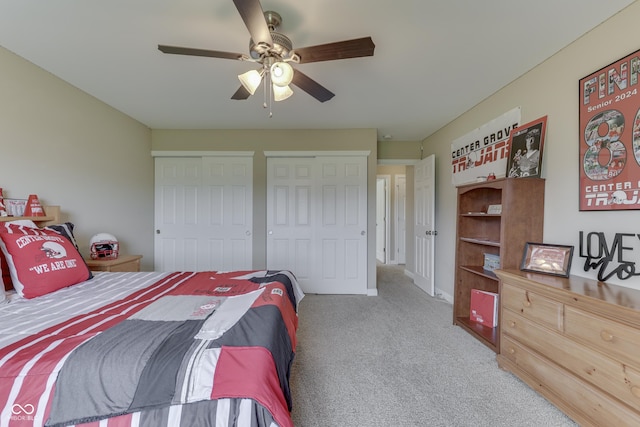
(614, 339)
(592, 366)
(579, 399)
(532, 306)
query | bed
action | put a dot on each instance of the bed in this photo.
(141, 349)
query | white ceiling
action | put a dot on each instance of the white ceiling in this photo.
(433, 59)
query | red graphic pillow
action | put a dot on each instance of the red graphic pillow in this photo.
(41, 261)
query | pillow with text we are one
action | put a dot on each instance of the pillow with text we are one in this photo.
(41, 261)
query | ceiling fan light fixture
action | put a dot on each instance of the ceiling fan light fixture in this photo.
(281, 74)
(280, 93)
(251, 80)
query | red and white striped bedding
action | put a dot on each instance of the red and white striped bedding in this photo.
(227, 374)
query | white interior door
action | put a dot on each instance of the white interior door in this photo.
(342, 226)
(401, 219)
(203, 213)
(424, 227)
(291, 217)
(316, 221)
(229, 182)
(381, 220)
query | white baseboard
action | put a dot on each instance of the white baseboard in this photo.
(439, 294)
(445, 296)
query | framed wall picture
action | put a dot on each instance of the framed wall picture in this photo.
(547, 259)
(525, 149)
(609, 133)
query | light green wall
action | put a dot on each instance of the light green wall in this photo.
(399, 150)
(75, 151)
(549, 89)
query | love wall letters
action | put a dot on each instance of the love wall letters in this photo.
(610, 258)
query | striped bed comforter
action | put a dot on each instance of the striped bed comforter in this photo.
(152, 349)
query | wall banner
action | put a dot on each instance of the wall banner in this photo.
(609, 135)
(484, 150)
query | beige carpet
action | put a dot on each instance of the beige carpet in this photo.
(397, 360)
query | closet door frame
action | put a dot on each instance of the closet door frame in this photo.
(322, 272)
(210, 235)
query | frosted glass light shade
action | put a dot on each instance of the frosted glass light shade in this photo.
(281, 74)
(280, 93)
(250, 80)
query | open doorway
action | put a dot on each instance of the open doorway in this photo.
(383, 193)
(391, 206)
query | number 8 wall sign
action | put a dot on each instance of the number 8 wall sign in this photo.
(610, 137)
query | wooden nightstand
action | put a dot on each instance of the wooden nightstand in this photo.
(121, 264)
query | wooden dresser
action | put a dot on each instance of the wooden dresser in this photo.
(576, 341)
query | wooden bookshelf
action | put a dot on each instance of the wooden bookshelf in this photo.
(504, 234)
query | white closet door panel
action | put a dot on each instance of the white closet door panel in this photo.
(239, 204)
(203, 213)
(189, 259)
(317, 222)
(342, 230)
(352, 246)
(280, 207)
(303, 259)
(330, 259)
(230, 184)
(290, 217)
(279, 254)
(177, 184)
(237, 254)
(329, 206)
(166, 250)
(303, 205)
(216, 205)
(352, 208)
(215, 252)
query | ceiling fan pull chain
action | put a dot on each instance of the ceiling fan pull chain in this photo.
(264, 102)
(270, 90)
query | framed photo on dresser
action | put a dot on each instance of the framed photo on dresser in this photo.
(547, 259)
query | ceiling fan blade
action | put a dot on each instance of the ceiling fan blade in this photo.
(355, 48)
(253, 17)
(312, 87)
(241, 93)
(200, 52)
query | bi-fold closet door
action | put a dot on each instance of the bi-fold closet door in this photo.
(203, 213)
(317, 221)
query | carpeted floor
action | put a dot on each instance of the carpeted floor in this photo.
(397, 360)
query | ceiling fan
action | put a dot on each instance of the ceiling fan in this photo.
(274, 52)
